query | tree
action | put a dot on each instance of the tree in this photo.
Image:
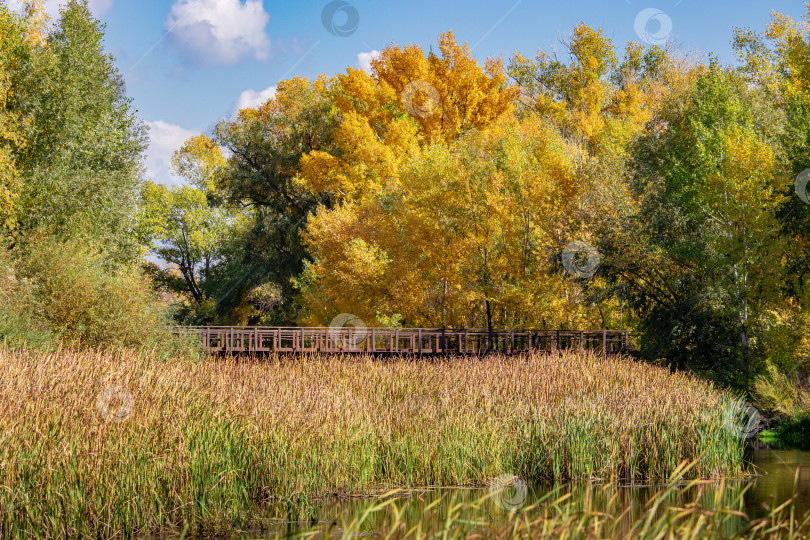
(179, 226)
(778, 62)
(469, 234)
(594, 100)
(265, 147)
(391, 245)
(80, 171)
(409, 100)
(14, 51)
(708, 269)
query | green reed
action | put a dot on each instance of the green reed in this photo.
(198, 444)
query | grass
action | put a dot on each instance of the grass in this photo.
(116, 443)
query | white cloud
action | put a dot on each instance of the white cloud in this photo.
(220, 32)
(164, 140)
(99, 8)
(364, 60)
(252, 98)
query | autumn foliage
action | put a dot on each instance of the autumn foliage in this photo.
(595, 186)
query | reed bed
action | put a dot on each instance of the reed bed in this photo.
(124, 443)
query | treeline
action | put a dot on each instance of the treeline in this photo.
(597, 187)
(565, 190)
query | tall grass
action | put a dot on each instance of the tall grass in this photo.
(205, 441)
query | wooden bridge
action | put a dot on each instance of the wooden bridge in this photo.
(405, 341)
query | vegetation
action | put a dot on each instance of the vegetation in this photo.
(679, 509)
(433, 190)
(103, 443)
(437, 190)
(57, 292)
(70, 153)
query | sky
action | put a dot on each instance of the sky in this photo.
(190, 63)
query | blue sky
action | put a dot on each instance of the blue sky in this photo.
(188, 63)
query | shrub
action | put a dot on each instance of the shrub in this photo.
(66, 292)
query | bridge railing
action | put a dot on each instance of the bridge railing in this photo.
(419, 341)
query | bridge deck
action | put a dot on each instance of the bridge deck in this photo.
(418, 341)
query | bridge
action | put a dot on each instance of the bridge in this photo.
(404, 341)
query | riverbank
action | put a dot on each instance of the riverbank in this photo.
(788, 432)
(99, 444)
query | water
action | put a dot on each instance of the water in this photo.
(775, 483)
(776, 475)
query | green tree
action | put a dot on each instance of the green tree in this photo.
(14, 53)
(265, 146)
(703, 257)
(81, 167)
(178, 225)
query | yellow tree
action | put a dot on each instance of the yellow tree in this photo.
(200, 161)
(36, 20)
(410, 109)
(408, 100)
(784, 66)
(596, 102)
(599, 103)
(17, 37)
(468, 235)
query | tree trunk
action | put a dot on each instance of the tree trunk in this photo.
(489, 327)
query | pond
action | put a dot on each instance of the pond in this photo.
(776, 474)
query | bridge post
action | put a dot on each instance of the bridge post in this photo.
(419, 332)
(604, 341)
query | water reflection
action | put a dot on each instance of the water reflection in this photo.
(776, 483)
(425, 508)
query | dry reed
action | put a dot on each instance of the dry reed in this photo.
(123, 443)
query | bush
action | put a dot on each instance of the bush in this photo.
(65, 292)
(778, 394)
